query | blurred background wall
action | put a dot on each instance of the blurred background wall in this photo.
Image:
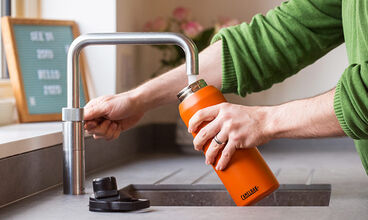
(91, 16)
(116, 69)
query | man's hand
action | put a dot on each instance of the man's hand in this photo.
(240, 126)
(107, 116)
(236, 126)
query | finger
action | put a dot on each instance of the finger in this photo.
(98, 137)
(212, 151)
(206, 114)
(95, 109)
(116, 134)
(101, 129)
(110, 131)
(206, 133)
(89, 125)
(215, 147)
(226, 155)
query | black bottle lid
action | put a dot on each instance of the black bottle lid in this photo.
(105, 187)
(107, 198)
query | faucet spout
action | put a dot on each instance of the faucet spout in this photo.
(73, 133)
(138, 38)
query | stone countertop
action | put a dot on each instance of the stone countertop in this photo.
(20, 138)
(340, 167)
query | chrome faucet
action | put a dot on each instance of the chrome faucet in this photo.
(72, 115)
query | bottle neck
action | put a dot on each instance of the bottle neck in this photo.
(191, 89)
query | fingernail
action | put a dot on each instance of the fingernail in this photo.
(189, 131)
(218, 167)
(207, 162)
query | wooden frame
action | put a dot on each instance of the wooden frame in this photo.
(15, 71)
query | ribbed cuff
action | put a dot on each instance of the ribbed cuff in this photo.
(229, 79)
(340, 112)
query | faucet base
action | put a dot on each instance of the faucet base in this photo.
(74, 158)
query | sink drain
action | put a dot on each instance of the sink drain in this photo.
(216, 195)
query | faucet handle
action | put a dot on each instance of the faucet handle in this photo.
(72, 114)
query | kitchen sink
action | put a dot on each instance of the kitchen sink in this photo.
(216, 195)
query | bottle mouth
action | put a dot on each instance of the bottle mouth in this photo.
(191, 89)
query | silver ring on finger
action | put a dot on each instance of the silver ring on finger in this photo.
(218, 141)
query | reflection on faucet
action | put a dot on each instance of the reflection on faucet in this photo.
(73, 134)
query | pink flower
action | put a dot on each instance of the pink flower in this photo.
(181, 13)
(147, 26)
(157, 25)
(224, 22)
(191, 28)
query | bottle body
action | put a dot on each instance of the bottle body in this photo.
(247, 177)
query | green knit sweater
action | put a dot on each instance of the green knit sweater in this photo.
(273, 47)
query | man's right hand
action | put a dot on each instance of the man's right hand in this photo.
(107, 116)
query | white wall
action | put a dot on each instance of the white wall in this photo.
(315, 79)
(91, 16)
(128, 66)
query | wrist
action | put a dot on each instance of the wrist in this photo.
(272, 126)
(139, 97)
(160, 91)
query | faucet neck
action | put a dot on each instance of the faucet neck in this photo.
(138, 38)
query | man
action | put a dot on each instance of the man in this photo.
(252, 57)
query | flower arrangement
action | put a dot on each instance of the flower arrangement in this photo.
(181, 21)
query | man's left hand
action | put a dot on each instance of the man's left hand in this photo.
(234, 126)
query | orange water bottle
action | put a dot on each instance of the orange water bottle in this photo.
(247, 177)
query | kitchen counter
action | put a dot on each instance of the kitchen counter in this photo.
(341, 167)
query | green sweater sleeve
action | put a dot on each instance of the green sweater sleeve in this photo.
(351, 101)
(273, 47)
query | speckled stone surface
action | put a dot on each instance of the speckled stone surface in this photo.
(340, 167)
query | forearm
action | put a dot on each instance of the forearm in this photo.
(306, 118)
(163, 89)
(273, 47)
